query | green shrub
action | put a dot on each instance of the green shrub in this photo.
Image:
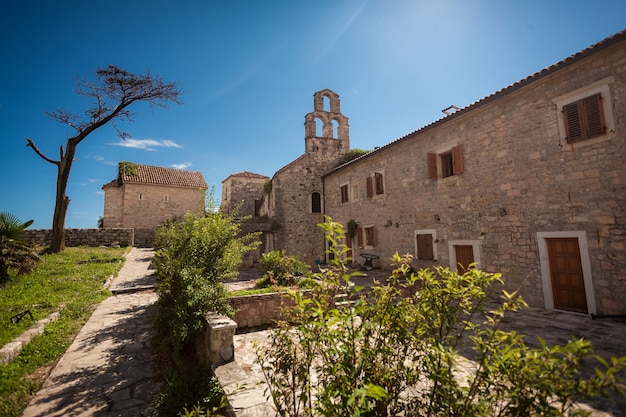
(192, 259)
(400, 352)
(282, 270)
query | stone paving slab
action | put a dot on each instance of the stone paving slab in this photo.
(107, 370)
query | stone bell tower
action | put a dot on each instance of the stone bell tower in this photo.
(326, 136)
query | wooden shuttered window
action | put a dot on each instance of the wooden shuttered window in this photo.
(451, 163)
(432, 166)
(370, 238)
(378, 180)
(457, 160)
(425, 247)
(359, 237)
(345, 194)
(369, 186)
(584, 118)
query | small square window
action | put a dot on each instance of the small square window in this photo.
(447, 169)
(450, 162)
(584, 118)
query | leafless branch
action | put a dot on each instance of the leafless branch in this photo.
(31, 144)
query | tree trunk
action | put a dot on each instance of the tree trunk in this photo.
(62, 201)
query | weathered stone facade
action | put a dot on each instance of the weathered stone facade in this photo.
(295, 204)
(516, 186)
(151, 195)
(529, 181)
(237, 190)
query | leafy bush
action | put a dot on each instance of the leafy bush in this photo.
(192, 259)
(351, 154)
(282, 270)
(14, 251)
(425, 344)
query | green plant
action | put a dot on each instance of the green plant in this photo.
(281, 270)
(193, 391)
(71, 279)
(192, 259)
(351, 154)
(267, 187)
(14, 251)
(352, 228)
(426, 343)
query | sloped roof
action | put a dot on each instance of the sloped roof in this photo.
(147, 174)
(612, 40)
(246, 174)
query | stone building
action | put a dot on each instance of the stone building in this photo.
(529, 181)
(237, 190)
(288, 208)
(144, 196)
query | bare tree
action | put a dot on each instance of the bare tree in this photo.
(113, 92)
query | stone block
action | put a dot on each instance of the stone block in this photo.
(214, 345)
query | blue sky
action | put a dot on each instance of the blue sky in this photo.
(249, 69)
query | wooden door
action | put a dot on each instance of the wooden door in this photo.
(566, 274)
(464, 257)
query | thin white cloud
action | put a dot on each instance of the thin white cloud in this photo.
(184, 165)
(146, 144)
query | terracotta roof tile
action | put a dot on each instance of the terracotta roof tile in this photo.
(247, 174)
(165, 176)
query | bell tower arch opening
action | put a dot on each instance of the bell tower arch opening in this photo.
(326, 129)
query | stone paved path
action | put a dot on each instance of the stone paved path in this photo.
(107, 371)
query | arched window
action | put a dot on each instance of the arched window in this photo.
(319, 127)
(326, 103)
(316, 203)
(335, 129)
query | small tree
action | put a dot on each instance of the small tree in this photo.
(425, 344)
(113, 92)
(193, 257)
(14, 251)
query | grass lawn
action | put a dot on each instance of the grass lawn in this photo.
(72, 282)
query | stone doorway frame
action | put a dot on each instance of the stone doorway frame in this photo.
(585, 261)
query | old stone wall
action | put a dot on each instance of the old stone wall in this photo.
(145, 206)
(519, 181)
(83, 237)
(240, 192)
(295, 229)
(258, 310)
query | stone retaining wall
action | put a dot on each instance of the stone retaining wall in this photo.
(258, 310)
(84, 237)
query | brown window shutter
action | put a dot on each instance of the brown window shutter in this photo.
(379, 183)
(359, 236)
(432, 166)
(593, 115)
(369, 187)
(571, 120)
(457, 159)
(425, 247)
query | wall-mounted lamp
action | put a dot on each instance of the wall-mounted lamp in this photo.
(389, 223)
(502, 211)
(437, 217)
